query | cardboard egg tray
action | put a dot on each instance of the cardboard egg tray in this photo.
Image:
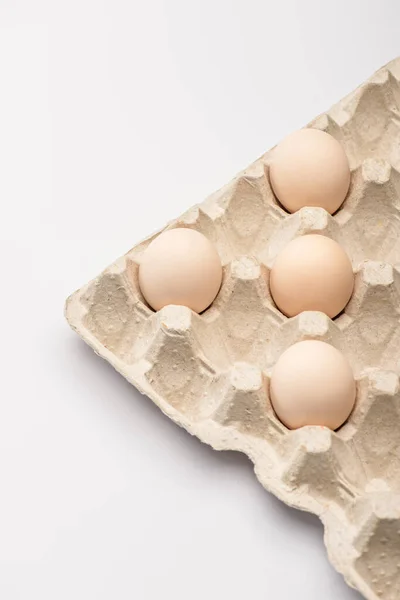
(210, 372)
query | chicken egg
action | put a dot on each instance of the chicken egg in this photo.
(310, 168)
(180, 266)
(312, 383)
(312, 273)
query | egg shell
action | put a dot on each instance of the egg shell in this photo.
(180, 266)
(310, 168)
(312, 383)
(312, 273)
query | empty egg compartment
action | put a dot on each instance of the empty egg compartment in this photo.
(210, 372)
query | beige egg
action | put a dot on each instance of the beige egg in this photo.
(312, 273)
(310, 168)
(312, 383)
(180, 266)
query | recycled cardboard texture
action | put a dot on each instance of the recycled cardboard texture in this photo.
(210, 372)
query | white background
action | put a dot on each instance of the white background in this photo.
(114, 118)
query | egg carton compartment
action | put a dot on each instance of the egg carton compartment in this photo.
(210, 372)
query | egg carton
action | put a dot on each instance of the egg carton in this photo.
(210, 373)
